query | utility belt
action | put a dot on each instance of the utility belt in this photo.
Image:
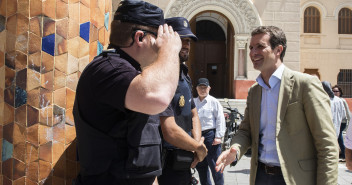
(177, 159)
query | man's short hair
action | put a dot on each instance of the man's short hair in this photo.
(277, 37)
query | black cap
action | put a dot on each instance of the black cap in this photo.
(181, 26)
(203, 81)
(139, 12)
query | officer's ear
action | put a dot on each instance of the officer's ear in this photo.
(138, 36)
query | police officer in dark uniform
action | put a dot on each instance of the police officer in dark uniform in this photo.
(118, 142)
(182, 112)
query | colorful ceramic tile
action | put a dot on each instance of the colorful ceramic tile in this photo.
(10, 42)
(44, 169)
(33, 79)
(11, 8)
(49, 7)
(7, 168)
(93, 34)
(32, 116)
(33, 97)
(47, 80)
(20, 97)
(11, 24)
(18, 169)
(69, 117)
(45, 134)
(48, 26)
(2, 23)
(2, 58)
(19, 134)
(83, 48)
(93, 50)
(59, 131)
(58, 150)
(6, 180)
(33, 135)
(9, 96)
(59, 79)
(19, 151)
(59, 115)
(70, 94)
(84, 31)
(21, 79)
(84, 13)
(62, 27)
(61, 45)
(73, 29)
(45, 152)
(32, 153)
(35, 7)
(20, 181)
(74, 11)
(46, 116)
(7, 150)
(22, 24)
(3, 8)
(9, 112)
(3, 44)
(73, 47)
(9, 77)
(70, 134)
(32, 171)
(21, 50)
(60, 166)
(72, 64)
(99, 48)
(82, 63)
(34, 44)
(47, 63)
(21, 115)
(45, 98)
(106, 20)
(23, 7)
(102, 35)
(34, 61)
(48, 44)
(60, 98)
(61, 9)
(10, 59)
(35, 25)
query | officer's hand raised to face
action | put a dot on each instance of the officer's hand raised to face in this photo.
(201, 150)
(168, 40)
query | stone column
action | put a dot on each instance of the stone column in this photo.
(44, 46)
(241, 43)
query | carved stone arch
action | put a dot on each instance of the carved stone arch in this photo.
(241, 13)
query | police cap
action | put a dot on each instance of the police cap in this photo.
(139, 12)
(181, 26)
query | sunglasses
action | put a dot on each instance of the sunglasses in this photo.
(335, 91)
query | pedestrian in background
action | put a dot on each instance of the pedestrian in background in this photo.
(338, 92)
(337, 108)
(116, 140)
(348, 145)
(212, 119)
(287, 121)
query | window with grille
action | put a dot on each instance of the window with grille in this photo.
(311, 20)
(344, 80)
(345, 21)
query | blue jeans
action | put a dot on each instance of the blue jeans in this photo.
(340, 140)
(210, 160)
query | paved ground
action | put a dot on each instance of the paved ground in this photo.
(239, 174)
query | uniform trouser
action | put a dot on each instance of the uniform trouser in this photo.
(210, 161)
(340, 140)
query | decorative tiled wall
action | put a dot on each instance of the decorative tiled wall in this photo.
(44, 46)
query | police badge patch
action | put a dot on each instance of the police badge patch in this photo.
(181, 102)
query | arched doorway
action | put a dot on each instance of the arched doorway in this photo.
(210, 56)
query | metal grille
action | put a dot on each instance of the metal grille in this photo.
(311, 20)
(344, 80)
(345, 21)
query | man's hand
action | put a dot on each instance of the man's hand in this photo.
(201, 150)
(168, 40)
(216, 141)
(226, 158)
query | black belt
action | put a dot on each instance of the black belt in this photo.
(206, 131)
(271, 170)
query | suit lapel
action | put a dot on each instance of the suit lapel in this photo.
(285, 92)
(257, 99)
